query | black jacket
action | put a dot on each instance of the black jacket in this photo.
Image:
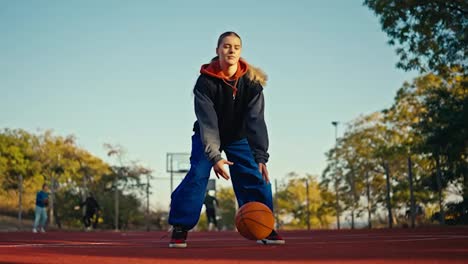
(91, 205)
(228, 111)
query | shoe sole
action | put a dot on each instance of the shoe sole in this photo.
(271, 242)
(178, 245)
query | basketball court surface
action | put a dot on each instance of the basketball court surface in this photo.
(424, 245)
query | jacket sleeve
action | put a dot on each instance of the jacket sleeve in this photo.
(257, 133)
(208, 122)
(85, 202)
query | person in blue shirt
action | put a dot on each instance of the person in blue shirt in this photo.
(42, 201)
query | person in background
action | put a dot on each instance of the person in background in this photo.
(92, 209)
(40, 213)
(211, 204)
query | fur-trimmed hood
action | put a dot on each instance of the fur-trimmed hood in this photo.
(257, 75)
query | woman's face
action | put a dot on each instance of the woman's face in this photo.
(229, 51)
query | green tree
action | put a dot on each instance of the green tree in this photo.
(443, 129)
(294, 208)
(17, 163)
(327, 208)
(16, 157)
(354, 170)
(71, 173)
(369, 150)
(227, 207)
(332, 179)
(429, 35)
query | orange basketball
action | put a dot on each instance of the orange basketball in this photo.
(254, 221)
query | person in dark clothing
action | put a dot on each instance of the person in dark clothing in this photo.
(229, 106)
(211, 203)
(92, 210)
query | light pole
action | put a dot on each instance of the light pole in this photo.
(20, 200)
(147, 172)
(147, 202)
(119, 174)
(307, 203)
(116, 198)
(335, 124)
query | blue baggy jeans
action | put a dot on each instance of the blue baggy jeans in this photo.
(248, 183)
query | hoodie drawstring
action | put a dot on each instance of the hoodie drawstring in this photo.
(234, 87)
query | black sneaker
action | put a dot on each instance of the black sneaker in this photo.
(179, 235)
(272, 239)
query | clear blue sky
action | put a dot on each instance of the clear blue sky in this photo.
(122, 72)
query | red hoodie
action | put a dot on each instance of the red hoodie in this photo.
(213, 69)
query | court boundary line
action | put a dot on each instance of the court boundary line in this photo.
(142, 242)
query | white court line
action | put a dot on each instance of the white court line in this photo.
(151, 243)
(381, 237)
(59, 244)
(237, 245)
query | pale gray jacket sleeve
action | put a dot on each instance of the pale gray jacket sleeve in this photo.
(257, 133)
(208, 122)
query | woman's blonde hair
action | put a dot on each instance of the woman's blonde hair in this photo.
(227, 34)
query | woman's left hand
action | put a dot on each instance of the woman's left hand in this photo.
(264, 171)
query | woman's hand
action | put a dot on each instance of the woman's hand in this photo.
(264, 171)
(219, 168)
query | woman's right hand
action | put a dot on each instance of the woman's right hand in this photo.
(219, 168)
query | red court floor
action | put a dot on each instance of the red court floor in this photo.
(429, 245)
